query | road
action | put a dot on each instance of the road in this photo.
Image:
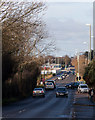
(48, 107)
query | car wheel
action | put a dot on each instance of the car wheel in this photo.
(56, 95)
(43, 96)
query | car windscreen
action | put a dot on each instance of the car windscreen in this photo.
(61, 89)
(84, 86)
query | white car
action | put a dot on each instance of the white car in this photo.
(82, 88)
(59, 78)
(63, 76)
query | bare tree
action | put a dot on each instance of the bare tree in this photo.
(23, 31)
(82, 64)
(67, 60)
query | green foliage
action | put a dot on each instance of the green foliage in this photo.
(89, 75)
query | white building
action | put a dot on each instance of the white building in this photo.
(54, 68)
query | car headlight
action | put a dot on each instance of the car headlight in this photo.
(57, 93)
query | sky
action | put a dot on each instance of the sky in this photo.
(66, 26)
(65, 22)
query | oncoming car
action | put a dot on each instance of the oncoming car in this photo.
(38, 92)
(61, 91)
(59, 78)
(82, 88)
(49, 85)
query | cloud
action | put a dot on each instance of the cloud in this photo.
(66, 24)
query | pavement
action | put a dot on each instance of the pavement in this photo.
(83, 106)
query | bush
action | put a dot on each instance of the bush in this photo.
(54, 74)
(89, 75)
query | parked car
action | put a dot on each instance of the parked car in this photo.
(59, 78)
(53, 81)
(72, 85)
(49, 85)
(82, 88)
(38, 92)
(61, 91)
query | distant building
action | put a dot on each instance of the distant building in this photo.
(52, 68)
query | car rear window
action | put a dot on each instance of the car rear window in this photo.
(38, 89)
(49, 83)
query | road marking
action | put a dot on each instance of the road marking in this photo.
(22, 111)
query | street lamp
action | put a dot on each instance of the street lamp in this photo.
(90, 41)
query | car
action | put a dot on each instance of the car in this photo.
(59, 78)
(75, 84)
(49, 85)
(69, 85)
(61, 91)
(72, 85)
(63, 76)
(53, 81)
(38, 92)
(82, 88)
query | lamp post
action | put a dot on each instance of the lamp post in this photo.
(90, 42)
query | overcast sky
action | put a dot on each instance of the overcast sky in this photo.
(66, 25)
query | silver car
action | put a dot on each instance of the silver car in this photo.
(49, 85)
(38, 92)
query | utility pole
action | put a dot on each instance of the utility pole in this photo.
(78, 64)
(89, 51)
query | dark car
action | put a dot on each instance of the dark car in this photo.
(75, 85)
(69, 85)
(38, 92)
(72, 85)
(61, 91)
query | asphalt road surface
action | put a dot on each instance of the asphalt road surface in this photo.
(48, 107)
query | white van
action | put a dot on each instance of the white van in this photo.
(82, 88)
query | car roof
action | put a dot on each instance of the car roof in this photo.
(83, 85)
